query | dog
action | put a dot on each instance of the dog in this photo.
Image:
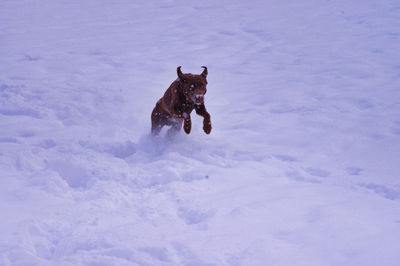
(183, 95)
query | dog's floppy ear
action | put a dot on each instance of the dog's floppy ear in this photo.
(205, 72)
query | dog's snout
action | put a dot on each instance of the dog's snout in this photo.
(198, 98)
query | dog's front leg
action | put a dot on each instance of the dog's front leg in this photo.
(187, 124)
(201, 110)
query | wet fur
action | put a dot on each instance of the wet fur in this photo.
(175, 107)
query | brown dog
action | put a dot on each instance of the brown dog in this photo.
(185, 94)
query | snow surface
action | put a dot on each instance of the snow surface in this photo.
(301, 167)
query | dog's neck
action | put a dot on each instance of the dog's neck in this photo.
(185, 105)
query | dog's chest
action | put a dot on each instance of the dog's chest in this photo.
(184, 108)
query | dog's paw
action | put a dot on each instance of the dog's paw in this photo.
(207, 126)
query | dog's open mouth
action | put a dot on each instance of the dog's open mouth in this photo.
(198, 99)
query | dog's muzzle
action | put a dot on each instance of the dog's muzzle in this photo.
(199, 98)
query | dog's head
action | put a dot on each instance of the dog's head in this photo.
(193, 86)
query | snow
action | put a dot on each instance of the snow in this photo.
(301, 167)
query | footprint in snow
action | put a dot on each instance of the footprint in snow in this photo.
(158, 253)
(193, 216)
(392, 193)
(317, 172)
(354, 171)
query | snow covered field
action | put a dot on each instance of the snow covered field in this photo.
(302, 166)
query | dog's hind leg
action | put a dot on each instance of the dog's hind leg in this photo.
(155, 129)
(175, 127)
(157, 119)
(156, 125)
